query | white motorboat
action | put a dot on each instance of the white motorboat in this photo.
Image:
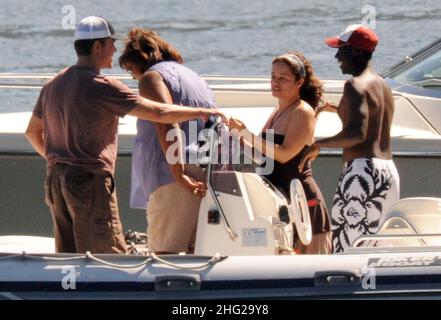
(243, 247)
(243, 250)
(416, 144)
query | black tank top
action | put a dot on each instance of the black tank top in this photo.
(281, 178)
(284, 172)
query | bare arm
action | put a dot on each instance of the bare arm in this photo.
(327, 107)
(168, 113)
(299, 133)
(153, 87)
(34, 134)
(354, 114)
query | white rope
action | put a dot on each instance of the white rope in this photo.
(10, 257)
(89, 256)
(78, 258)
(215, 259)
(119, 266)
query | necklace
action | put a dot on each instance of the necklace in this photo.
(278, 114)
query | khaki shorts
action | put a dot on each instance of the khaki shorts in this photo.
(84, 211)
(172, 216)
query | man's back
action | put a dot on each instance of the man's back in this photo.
(80, 110)
(378, 99)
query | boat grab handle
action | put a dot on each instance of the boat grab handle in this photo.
(337, 278)
(178, 283)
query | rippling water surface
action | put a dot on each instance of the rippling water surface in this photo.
(216, 37)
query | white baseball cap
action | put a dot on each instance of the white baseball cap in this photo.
(94, 27)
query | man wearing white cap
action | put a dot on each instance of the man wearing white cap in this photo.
(369, 183)
(74, 127)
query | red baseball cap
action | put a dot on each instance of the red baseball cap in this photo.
(356, 35)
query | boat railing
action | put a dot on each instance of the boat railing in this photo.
(378, 237)
(37, 80)
(382, 243)
(397, 249)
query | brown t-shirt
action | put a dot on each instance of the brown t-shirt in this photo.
(80, 110)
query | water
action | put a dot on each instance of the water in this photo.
(216, 37)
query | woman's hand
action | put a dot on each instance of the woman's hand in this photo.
(196, 187)
(310, 155)
(236, 124)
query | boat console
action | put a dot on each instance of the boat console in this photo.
(243, 214)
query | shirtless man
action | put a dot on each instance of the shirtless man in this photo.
(369, 182)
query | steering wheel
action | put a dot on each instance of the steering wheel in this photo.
(300, 211)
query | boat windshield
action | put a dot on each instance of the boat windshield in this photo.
(422, 69)
(425, 73)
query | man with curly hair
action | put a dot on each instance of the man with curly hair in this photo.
(170, 190)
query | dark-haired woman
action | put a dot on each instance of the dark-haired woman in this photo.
(298, 92)
(159, 183)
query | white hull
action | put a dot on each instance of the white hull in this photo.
(357, 275)
(406, 272)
